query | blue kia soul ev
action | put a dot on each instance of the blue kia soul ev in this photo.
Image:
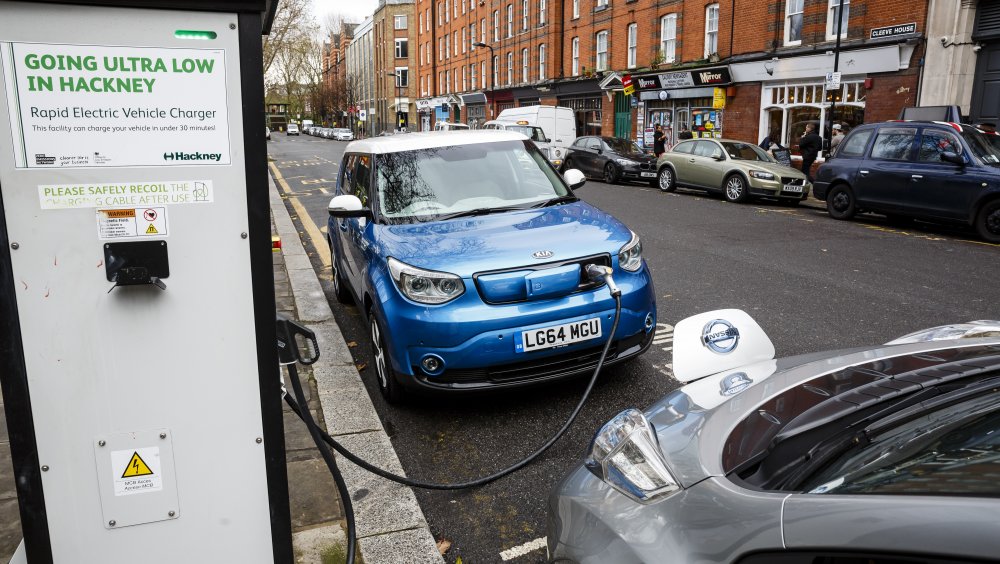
(468, 254)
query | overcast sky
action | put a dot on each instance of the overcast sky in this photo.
(354, 10)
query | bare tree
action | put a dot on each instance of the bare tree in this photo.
(289, 21)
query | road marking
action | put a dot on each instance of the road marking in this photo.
(324, 190)
(518, 551)
(313, 232)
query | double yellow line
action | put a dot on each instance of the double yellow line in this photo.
(312, 231)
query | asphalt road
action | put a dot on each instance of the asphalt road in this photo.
(812, 283)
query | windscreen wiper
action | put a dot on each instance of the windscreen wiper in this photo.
(477, 211)
(557, 200)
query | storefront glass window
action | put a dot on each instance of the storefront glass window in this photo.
(588, 114)
(787, 108)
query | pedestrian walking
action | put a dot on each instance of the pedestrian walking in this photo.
(659, 141)
(685, 134)
(838, 136)
(772, 138)
(809, 146)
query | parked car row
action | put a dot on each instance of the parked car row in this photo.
(335, 133)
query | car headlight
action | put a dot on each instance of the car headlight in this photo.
(626, 455)
(626, 162)
(558, 153)
(630, 256)
(762, 174)
(425, 286)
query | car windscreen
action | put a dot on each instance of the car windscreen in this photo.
(950, 451)
(533, 133)
(622, 147)
(745, 152)
(430, 184)
(981, 146)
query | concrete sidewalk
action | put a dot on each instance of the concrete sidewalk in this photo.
(391, 526)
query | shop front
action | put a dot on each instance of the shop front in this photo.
(431, 110)
(681, 102)
(475, 109)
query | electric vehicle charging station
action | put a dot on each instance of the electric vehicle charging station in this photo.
(136, 286)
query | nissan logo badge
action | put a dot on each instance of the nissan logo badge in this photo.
(542, 254)
(720, 336)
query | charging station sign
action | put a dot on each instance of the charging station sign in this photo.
(94, 106)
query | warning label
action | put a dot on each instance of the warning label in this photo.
(131, 222)
(124, 194)
(136, 471)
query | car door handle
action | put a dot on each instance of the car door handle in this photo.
(343, 225)
(863, 172)
(915, 177)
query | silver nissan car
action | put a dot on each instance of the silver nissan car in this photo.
(878, 455)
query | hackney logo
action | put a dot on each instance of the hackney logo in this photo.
(182, 156)
(734, 383)
(720, 336)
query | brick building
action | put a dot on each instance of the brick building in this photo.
(393, 61)
(695, 66)
(335, 70)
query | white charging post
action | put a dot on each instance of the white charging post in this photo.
(137, 338)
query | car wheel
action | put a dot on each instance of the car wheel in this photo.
(665, 179)
(840, 203)
(340, 290)
(567, 164)
(988, 221)
(610, 173)
(384, 374)
(735, 188)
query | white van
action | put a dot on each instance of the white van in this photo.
(449, 126)
(558, 123)
(533, 132)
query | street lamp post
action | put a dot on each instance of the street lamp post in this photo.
(493, 72)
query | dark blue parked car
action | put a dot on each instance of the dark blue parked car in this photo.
(467, 253)
(929, 170)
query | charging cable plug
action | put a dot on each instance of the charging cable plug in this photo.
(597, 273)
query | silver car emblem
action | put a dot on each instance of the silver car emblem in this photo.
(734, 383)
(720, 336)
(542, 254)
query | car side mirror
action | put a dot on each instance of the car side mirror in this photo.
(347, 205)
(574, 178)
(951, 157)
(719, 157)
(546, 140)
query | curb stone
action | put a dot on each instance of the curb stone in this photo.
(391, 526)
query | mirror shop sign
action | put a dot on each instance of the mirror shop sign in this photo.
(104, 106)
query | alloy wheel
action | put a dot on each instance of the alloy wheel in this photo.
(666, 179)
(735, 188)
(379, 355)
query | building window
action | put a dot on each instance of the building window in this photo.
(510, 68)
(399, 22)
(420, 22)
(421, 49)
(576, 9)
(463, 5)
(472, 72)
(510, 20)
(463, 38)
(541, 62)
(793, 22)
(402, 77)
(576, 56)
(601, 4)
(712, 29)
(541, 12)
(454, 12)
(668, 37)
(456, 42)
(831, 20)
(472, 37)
(602, 51)
(465, 85)
(402, 48)
(787, 108)
(496, 70)
(524, 15)
(633, 33)
(447, 46)
(524, 65)
(447, 14)
(482, 73)
(440, 16)
(447, 81)
(472, 5)
(496, 25)
(440, 49)
(482, 30)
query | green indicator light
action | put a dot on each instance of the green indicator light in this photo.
(192, 34)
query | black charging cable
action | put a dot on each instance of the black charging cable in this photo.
(319, 436)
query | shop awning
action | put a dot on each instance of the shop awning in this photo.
(474, 98)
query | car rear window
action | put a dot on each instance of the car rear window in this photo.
(894, 143)
(854, 145)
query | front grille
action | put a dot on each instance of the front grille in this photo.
(537, 369)
(647, 166)
(584, 284)
(793, 181)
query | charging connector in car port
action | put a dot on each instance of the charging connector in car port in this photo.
(294, 340)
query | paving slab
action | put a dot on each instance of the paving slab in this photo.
(312, 494)
(415, 546)
(320, 544)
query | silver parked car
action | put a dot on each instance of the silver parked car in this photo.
(867, 456)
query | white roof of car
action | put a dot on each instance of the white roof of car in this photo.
(430, 139)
